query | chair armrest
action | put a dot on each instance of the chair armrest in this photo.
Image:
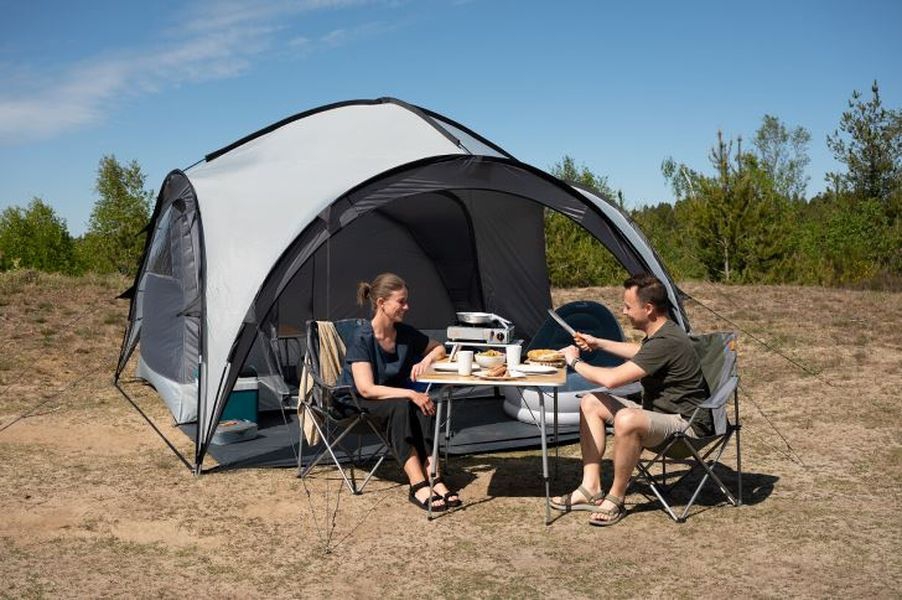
(722, 395)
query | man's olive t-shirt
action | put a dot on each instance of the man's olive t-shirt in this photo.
(674, 382)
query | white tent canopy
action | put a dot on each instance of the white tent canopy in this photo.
(280, 225)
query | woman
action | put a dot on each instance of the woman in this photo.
(382, 364)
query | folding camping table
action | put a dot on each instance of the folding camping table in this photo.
(551, 380)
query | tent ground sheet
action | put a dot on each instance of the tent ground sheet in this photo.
(478, 425)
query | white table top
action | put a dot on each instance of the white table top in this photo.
(556, 379)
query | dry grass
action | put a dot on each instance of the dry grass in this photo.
(94, 505)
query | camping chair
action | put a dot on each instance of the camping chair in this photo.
(330, 412)
(717, 352)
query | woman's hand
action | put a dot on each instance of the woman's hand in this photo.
(424, 402)
(586, 342)
(420, 368)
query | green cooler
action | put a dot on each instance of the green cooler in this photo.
(243, 401)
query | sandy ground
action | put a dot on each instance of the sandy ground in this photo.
(94, 505)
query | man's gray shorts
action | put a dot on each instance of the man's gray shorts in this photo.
(661, 425)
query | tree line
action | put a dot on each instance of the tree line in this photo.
(746, 220)
(35, 237)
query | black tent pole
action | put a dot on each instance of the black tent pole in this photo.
(153, 425)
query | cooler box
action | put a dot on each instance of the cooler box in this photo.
(243, 401)
(232, 431)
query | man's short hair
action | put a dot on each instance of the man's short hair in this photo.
(650, 290)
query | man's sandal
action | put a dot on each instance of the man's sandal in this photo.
(424, 504)
(567, 505)
(612, 515)
(449, 495)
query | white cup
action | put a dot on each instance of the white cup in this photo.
(513, 355)
(465, 362)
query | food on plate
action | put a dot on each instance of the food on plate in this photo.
(499, 371)
(545, 355)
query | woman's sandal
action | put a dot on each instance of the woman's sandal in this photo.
(424, 504)
(611, 515)
(567, 505)
(450, 494)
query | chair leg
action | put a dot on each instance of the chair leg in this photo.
(709, 472)
(328, 450)
(664, 471)
(646, 475)
(301, 442)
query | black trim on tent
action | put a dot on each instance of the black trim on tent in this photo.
(127, 294)
(469, 131)
(425, 114)
(270, 128)
(680, 294)
(202, 377)
(422, 114)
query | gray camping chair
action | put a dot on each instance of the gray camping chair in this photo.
(717, 352)
(335, 413)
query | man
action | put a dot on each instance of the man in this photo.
(672, 388)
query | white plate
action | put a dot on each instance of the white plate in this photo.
(537, 369)
(510, 375)
(450, 366)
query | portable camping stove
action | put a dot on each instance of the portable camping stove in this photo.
(481, 327)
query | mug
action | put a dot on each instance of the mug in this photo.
(465, 362)
(513, 355)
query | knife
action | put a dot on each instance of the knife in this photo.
(561, 322)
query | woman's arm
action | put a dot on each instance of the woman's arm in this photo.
(434, 351)
(363, 380)
(369, 389)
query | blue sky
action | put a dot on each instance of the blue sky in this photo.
(619, 86)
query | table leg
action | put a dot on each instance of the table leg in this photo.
(433, 469)
(544, 457)
(448, 429)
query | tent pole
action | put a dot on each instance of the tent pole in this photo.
(195, 468)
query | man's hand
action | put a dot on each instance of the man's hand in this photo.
(570, 353)
(586, 342)
(424, 402)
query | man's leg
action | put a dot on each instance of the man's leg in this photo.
(595, 410)
(631, 426)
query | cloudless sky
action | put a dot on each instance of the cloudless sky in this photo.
(617, 85)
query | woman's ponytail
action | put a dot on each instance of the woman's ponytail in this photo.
(364, 291)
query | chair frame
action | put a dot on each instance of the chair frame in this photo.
(685, 449)
(318, 400)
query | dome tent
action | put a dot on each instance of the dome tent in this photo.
(279, 226)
